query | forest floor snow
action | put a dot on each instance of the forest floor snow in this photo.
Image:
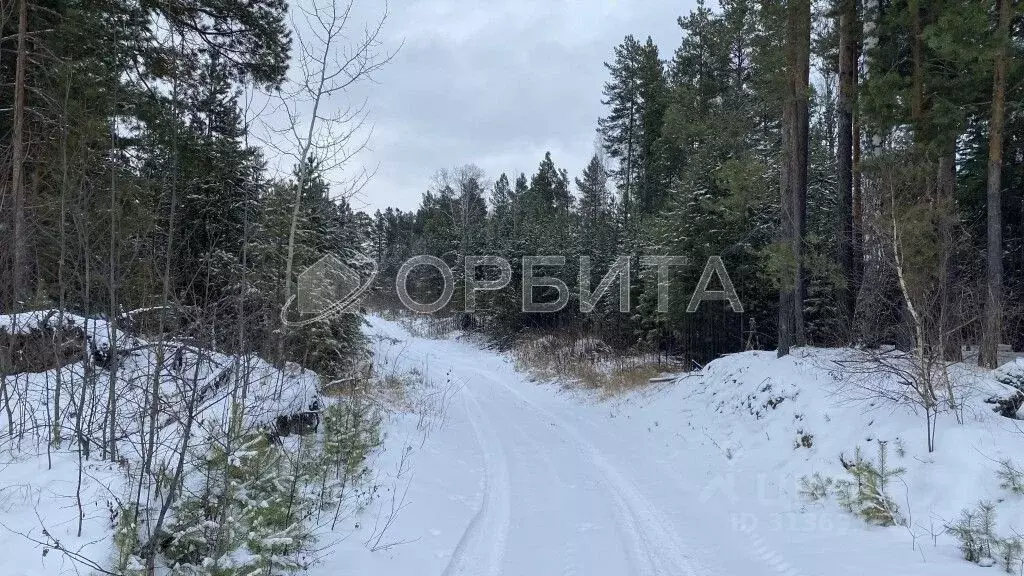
(698, 475)
(59, 505)
(489, 472)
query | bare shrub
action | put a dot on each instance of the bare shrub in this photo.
(922, 382)
(917, 240)
(589, 363)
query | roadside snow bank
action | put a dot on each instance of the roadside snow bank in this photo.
(781, 420)
(61, 494)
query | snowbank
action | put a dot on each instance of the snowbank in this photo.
(776, 421)
(42, 494)
(96, 330)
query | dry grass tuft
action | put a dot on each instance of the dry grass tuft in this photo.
(589, 364)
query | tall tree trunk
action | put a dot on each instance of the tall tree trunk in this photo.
(870, 313)
(801, 151)
(844, 156)
(949, 313)
(793, 175)
(858, 222)
(917, 76)
(113, 314)
(991, 335)
(786, 226)
(924, 336)
(626, 197)
(18, 229)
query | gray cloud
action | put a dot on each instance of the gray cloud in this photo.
(496, 83)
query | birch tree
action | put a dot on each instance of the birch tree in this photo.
(322, 121)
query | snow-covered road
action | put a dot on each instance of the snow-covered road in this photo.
(520, 483)
(530, 479)
(552, 502)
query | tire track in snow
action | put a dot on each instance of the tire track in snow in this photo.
(637, 550)
(644, 529)
(768, 555)
(482, 546)
(571, 555)
(653, 542)
(639, 516)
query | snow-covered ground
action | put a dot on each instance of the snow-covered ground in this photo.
(53, 495)
(486, 472)
(700, 475)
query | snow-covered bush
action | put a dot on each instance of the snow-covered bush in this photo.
(867, 493)
(247, 513)
(920, 380)
(252, 501)
(975, 530)
(1012, 375)
(1010, 477)
(816, 487)
(351, 432)
(126, 540)
(1011, 555)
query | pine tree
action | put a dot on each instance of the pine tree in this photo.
(991, 333)
(620, 130)
(848, 49)
(652, 183)
(502, 205)
(793, 183)
(596, 215)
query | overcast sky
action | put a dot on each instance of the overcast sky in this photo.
(496, 83)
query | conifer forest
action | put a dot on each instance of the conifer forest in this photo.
(764, 314)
